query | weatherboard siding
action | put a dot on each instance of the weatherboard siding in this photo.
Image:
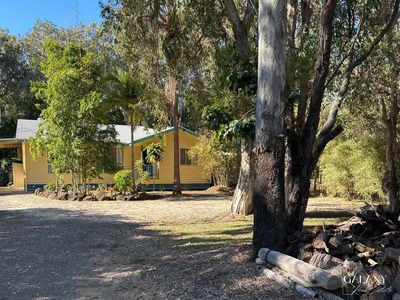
(36, 170)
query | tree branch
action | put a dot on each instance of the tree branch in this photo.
(232, 13)
(320, 73)
(392, 20)
(331, 120)
(320, 145)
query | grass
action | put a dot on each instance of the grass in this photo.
(324, 211)
(211, 234)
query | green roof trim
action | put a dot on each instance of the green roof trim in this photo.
(150, 137)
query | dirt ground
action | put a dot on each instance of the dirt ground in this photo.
(51, 249)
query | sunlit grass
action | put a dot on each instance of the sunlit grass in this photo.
(239, 232)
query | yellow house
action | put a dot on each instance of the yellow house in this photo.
(31, 174)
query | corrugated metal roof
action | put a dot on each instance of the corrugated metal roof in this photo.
(27, 129)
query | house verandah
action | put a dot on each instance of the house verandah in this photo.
(29, 173)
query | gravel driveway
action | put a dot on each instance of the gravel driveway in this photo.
(52, 249)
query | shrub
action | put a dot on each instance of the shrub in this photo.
(122, 180)
(51, 186)
(217, 159)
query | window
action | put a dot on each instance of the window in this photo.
(185, 158)
(118, 156)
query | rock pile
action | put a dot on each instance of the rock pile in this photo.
(101, 195)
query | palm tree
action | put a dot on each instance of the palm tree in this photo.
(125, 91)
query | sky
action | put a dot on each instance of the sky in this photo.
(19, 16)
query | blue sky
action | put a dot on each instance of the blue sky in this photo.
(18, 16)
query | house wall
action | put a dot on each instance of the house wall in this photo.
(18, 175)
(191, 175)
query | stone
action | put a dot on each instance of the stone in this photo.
(103, 196)
(62, 196)
(130, 198)
(89, 198)
(52, 195)
(38, 192)
(120, 198)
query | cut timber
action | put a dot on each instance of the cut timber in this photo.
(290, 284)
(320, 242)
(392, 254)
(310, 275)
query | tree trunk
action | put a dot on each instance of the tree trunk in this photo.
(389, 181)
(269, 192)
(172, 99)
(133, 186)
(242, 202)
(303, 150)
(242, 198)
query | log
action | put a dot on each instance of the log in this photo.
(344, 250)
(320, 242)
(290, 284)
(336, 241)
(362, 248)
(327, 295)
(392, 254)
(312, 276)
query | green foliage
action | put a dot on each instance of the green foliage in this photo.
(214, 116)
(70, 131)
(50, 187)
(5, 172)
(154, 151)
(237, 74)
(244, 127)
(353, 167)
(16, 98)
(122, 180)
(217, 159)
(141, 176)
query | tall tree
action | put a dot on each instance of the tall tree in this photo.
(70, 131)
(166, 38)
(241, 25)
(124, 94)
(16, 98)
(269, 188)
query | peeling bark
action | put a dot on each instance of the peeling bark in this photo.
(269, 190)
(390, 185)
(242, 202)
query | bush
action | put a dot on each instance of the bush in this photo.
(122, 180)
(50, 187)
(353, 167)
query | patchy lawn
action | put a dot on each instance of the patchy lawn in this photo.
(186, 248)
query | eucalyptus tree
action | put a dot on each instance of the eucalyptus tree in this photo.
(269, 228)
(166, 39)
(241, 16)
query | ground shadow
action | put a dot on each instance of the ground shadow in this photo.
(44, 253)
